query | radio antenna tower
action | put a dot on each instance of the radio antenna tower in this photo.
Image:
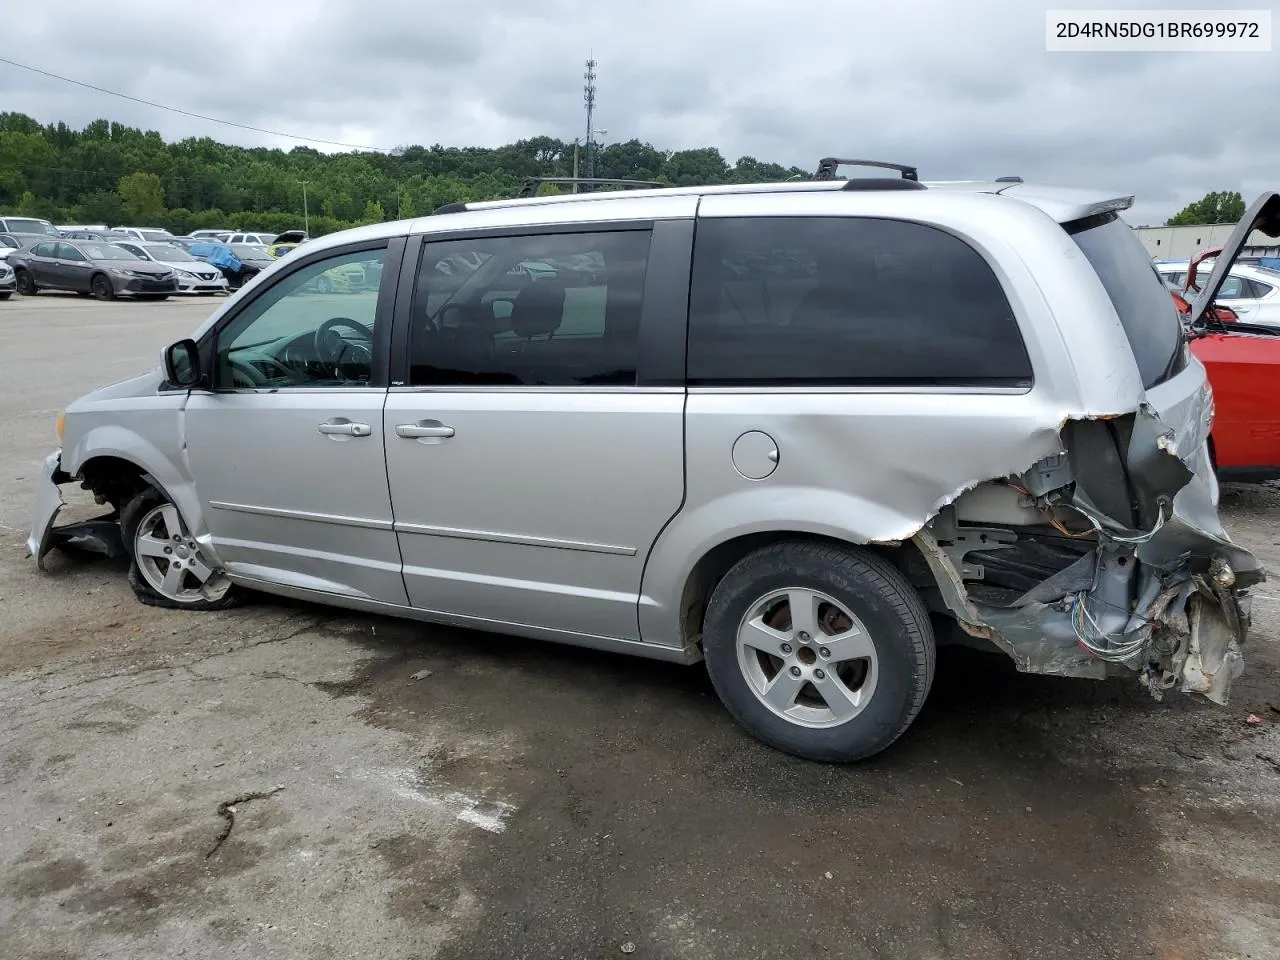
(589, 98)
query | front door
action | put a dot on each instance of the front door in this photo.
(530, 474)
(286, 449)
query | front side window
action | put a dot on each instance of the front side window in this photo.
(841, 300)
(549, 310)
(67, 251)
(306, 330)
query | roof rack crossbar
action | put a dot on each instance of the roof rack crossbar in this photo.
(530, 187)
(827, 167)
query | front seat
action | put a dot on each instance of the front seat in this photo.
(538, 310)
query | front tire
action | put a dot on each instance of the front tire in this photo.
(167, 568)
(821, 651)
(102, 287)
(6, 295)
(26, 284)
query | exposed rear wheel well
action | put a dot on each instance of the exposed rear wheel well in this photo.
(113, 480)
(709, 570)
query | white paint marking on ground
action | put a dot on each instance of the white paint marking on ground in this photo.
(486, 814)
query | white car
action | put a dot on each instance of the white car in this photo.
(194, 276)
(147, 234)
(258, 239)
(1252, 292)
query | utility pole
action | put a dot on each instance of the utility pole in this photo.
(306, 217)
(589, 98)
(575, 164)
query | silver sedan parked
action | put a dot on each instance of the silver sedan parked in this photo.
(194, 276)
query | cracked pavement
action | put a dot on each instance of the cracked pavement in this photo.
(526, 800)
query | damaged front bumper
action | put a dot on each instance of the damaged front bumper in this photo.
(1122, 565)
(101, 535)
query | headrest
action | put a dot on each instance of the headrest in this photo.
(538, 309)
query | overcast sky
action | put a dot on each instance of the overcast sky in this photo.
(963, 90)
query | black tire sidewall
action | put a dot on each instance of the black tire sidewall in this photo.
(95, 285)
(26, 285)
(130, 517)
(881, 599)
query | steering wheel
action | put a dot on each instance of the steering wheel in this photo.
(331, 347)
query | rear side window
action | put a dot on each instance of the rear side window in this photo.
(1145, 308)
(846, 301)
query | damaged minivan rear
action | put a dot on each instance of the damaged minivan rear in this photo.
(803, 432)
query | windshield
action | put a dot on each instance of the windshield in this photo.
(106, 251)
(252, 251)
(156, 236)
(20, 225)
(1146, 310)
(168, 252)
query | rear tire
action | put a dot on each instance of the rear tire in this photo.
(102, 287)
(821, 651)
(26, 285)
(157, 538)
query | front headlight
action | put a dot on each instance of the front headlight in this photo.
(60, 424)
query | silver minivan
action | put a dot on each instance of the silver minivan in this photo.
(805, 432)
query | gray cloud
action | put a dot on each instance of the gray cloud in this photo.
(960, 90)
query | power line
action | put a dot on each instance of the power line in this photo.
(188, 113)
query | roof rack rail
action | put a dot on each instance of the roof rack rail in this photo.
(827, 168)
(449, 208)
(1008, 179)
(530, 187)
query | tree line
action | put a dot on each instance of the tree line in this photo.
(112, 174)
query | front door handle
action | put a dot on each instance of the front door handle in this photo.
(424, 429)
(340, 427)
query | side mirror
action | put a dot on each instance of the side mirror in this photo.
(182, 363)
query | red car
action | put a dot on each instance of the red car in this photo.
(1243, 360)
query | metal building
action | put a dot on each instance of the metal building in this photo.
(1182, 242)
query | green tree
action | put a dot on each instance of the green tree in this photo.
(373, 212)
(33, 206)
(143, 196)
(1218, 207)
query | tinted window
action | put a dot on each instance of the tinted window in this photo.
(68, 252)
(827, 300)
(552, 310)
(1145, 308)
(44, 249)
(1258, 289)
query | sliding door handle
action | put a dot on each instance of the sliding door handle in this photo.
(424, 429)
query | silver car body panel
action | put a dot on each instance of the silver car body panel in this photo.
(591, 533)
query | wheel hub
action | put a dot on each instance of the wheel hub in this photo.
(807, 657)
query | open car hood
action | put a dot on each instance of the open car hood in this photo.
(1263, 215)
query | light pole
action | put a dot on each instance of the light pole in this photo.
(592, 147)
(306, 217)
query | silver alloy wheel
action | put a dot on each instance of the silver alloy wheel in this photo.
(170, 560)
(807, 657)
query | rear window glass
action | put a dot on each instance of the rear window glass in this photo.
(846, 300)
(1145, 308)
